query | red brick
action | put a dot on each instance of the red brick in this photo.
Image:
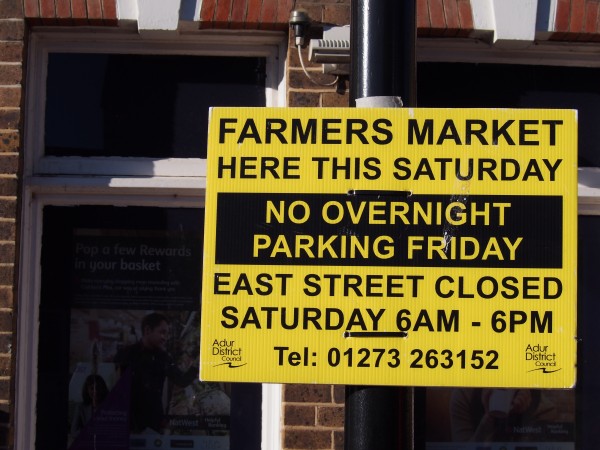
(330, 416)
(339, 394)
(338, 99)
(294, 60)
(9, 164)
(268, 13)
(6, 320)
(297, 79)
(223, 10)
(79, 10)
(48, 21)
(299, 415)
(94, 9)
(451, 13)
(7, 253)
(307, 439)
(5, 343)
(5, 365)
(423, 20)
(10, 96)
(238, 14)
(31, 8)
(307, 393)
(465, 14)
(558, 36)
(591, 17)
(10, 74)
(8, 210)
(10, 141)
(7, 272)
(207, 11)
(314, 10)
(10, 118)
(338, 440)
(109, 10)
(11, 51)
(563, 15)
(438, 19)
(336, 14)
(4, 390)
(11, 30)
(63, 9)
(577, 15)
(8, 188)
(284, 7)
(304, 99)
(253, 15)
(6, 297)
(47, 10)
(11, 9)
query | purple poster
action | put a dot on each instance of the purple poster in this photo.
(134, 345)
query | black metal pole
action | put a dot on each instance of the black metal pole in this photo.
(383, 61)
(383, 64)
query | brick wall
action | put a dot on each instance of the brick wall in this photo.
(313, 415)
(245, 14)
(577, 20)
(435, 18)
(11, 77)
(301, 90)
(444, 18)
(70, 12)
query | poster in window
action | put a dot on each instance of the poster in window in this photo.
(500, 419)
(134, 338)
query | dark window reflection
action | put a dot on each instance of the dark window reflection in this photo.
(142, 105)
(127, 281)
(588, 364)
(518, 86)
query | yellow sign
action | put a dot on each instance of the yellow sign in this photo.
(416, 247)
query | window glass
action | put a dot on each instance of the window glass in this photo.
(464, 85)
(119, 336)
(153, 106)
(456, 418)
(552, 419)
(588, 358)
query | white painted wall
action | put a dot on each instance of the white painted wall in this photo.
(127, 10)
(512, 23)
(153, 14)
(515, 20)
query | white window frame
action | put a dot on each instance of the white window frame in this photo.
(267, 45)
(71, 181)
(550, 53)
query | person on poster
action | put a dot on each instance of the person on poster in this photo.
(93, 393)
(492, 415)
(150, 365)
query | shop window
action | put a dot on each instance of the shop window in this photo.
(122, 122)
(119, 106)
(519, 86)
(153, 106)
(547, 419)
(119, 335)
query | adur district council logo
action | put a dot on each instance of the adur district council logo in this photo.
(230, 355)
(541, 358)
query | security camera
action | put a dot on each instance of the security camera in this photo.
(299, 21)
